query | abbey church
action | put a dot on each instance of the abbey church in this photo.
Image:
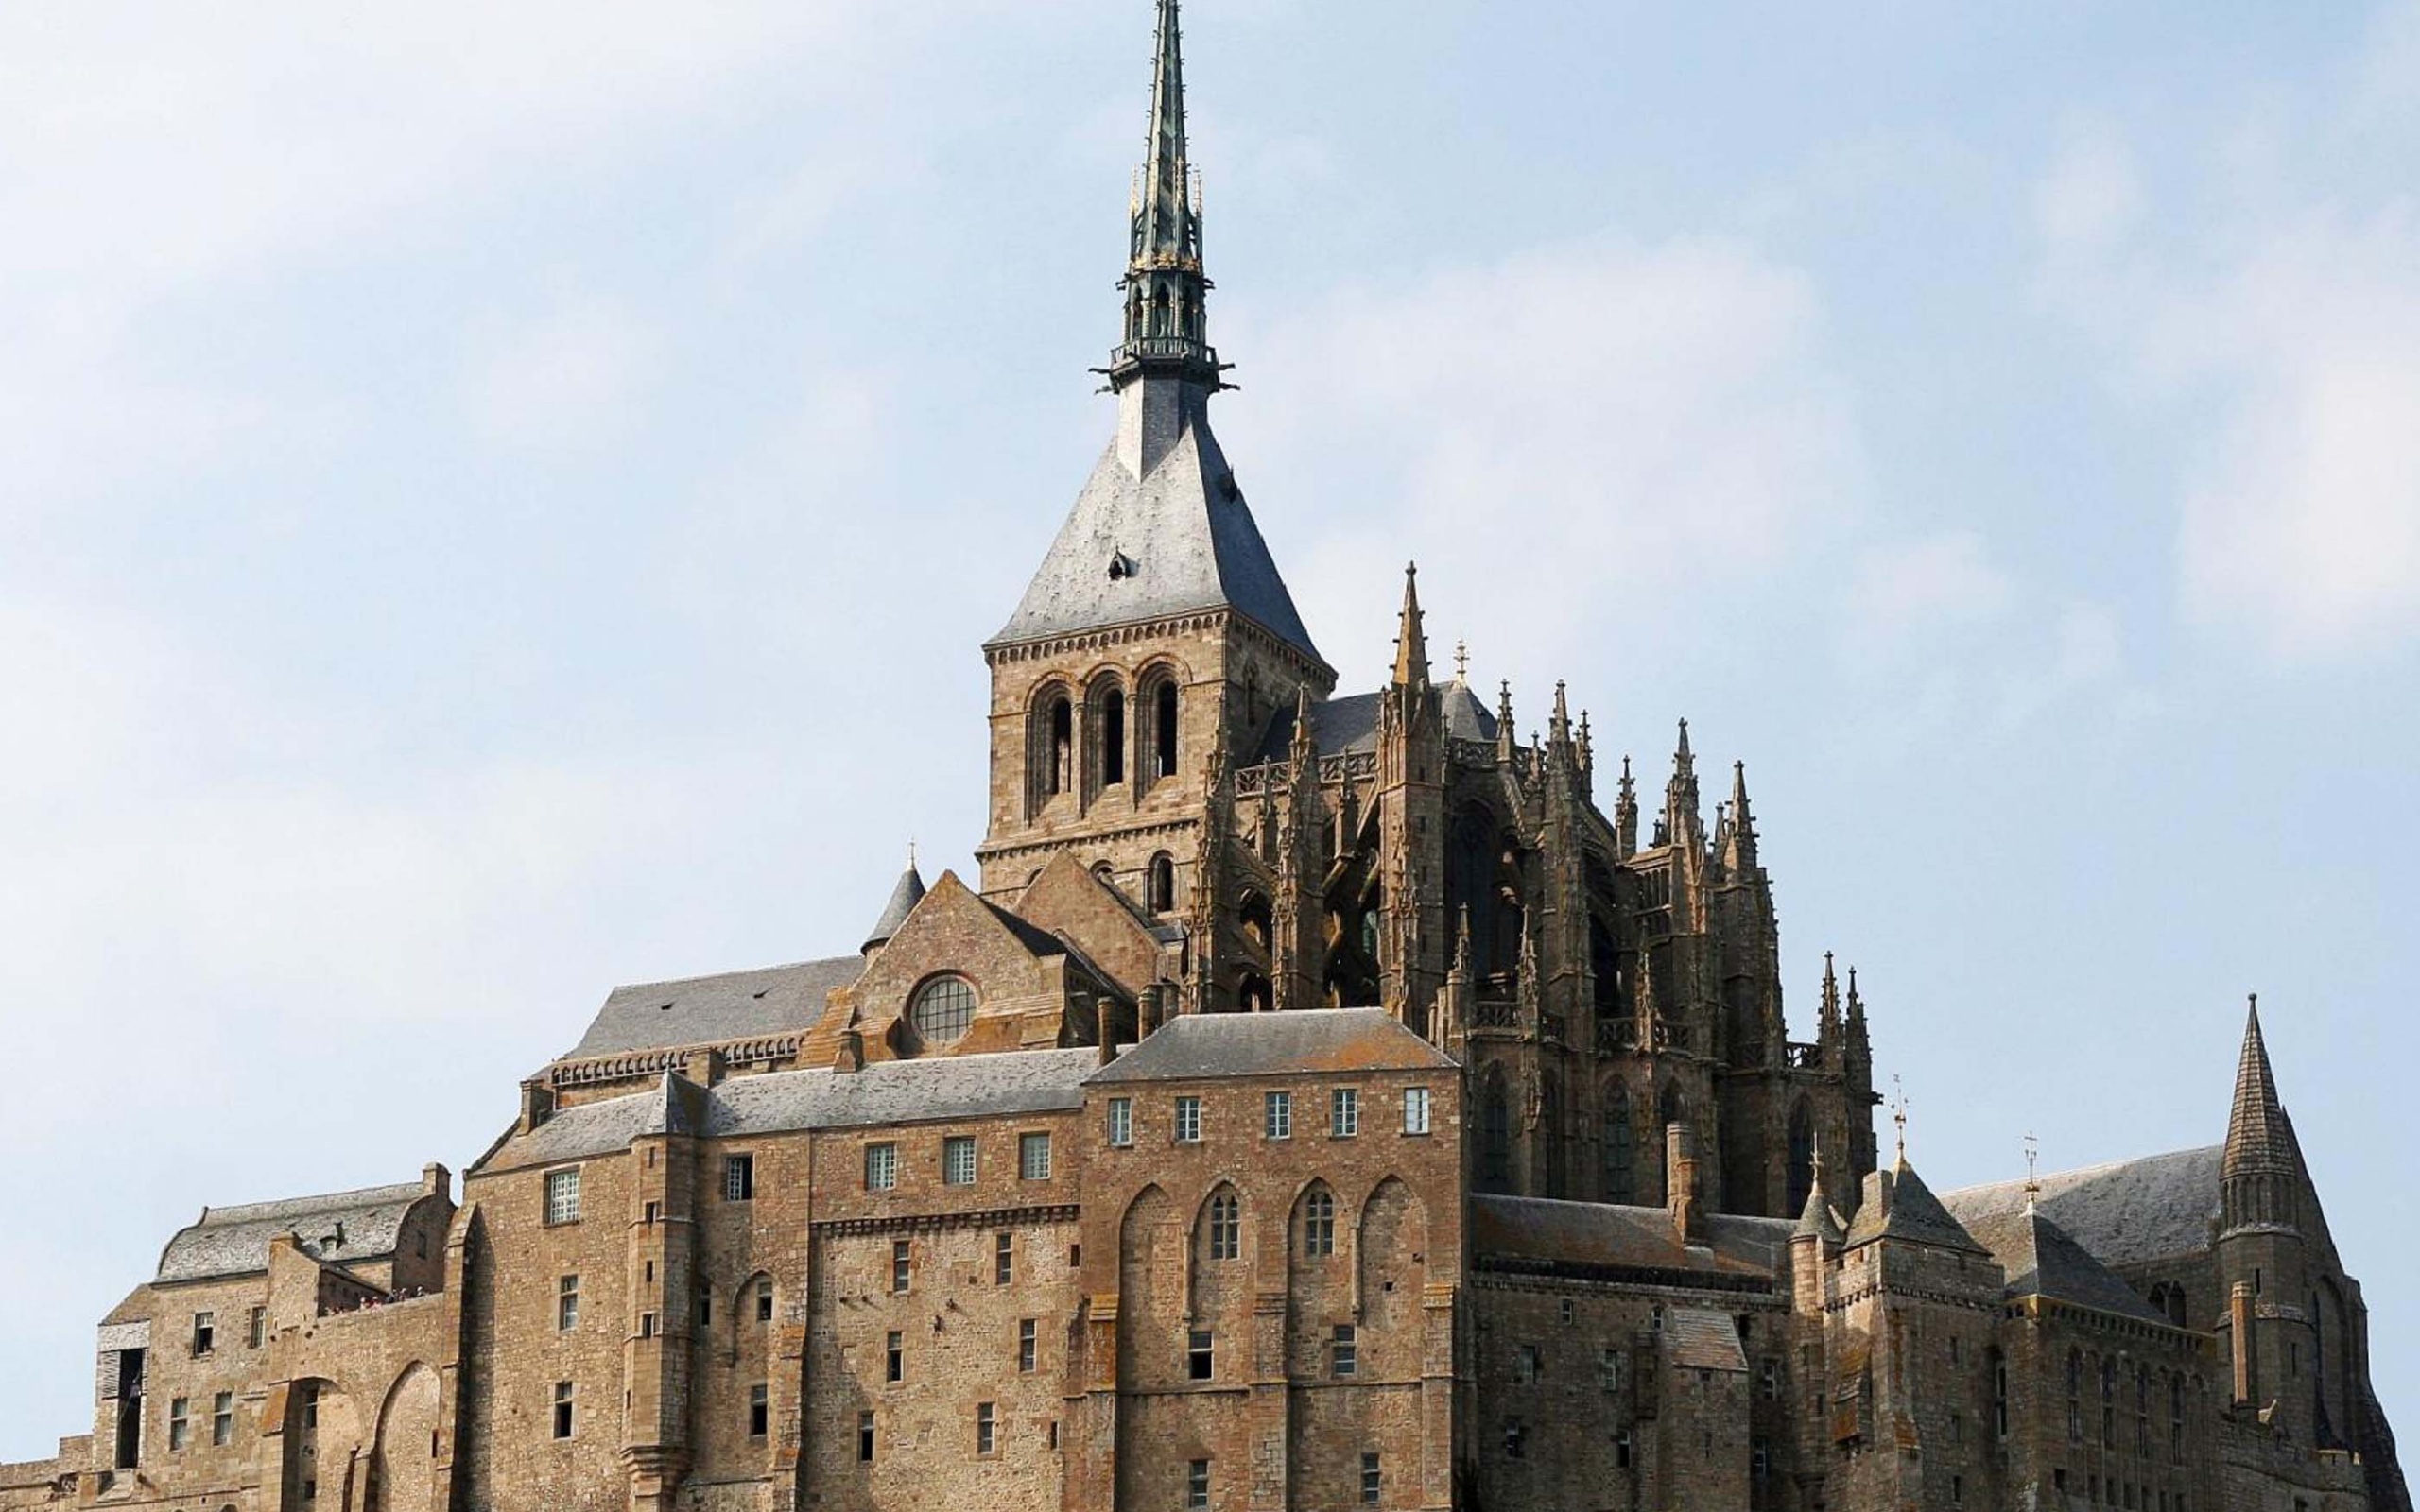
(1322, 1099)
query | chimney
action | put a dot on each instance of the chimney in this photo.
(436, 1181)
(537, 1104)
(2240, 1335)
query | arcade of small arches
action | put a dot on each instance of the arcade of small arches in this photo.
(1083, 742)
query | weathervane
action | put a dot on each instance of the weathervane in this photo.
(2032, 1183)
(1899, 1113)
(1461, 660)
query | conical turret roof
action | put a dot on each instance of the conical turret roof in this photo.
(2258, 1136)
(905, 895)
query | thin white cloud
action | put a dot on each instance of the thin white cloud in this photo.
(1904, 597)
(566, 378)
(2092, 193)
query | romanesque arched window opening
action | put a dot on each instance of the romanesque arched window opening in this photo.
(1112, 738)
(1159, 892)
(1164, 740)
(1060, 749)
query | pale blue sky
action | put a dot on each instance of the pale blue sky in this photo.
(497, 502)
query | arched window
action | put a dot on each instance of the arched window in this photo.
(1550, 1137)
(1494, 1137)
(2075, 1395)
(1058, 752)
(1160, 893)
(1112, 738)
(1319, 1223)
(1251, 994)
(1469, 882)
(1164, 729)
(1802, 1160)
(1617, 1149)
(2176, 1418)
(1604, 964)
(1256, 920)
(1226, 1227)
(942, 1012)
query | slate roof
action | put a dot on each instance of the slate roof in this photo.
(908, 891)
(1540, 1233)
(1182, 540)
(2258, 1136)
(234, 1241)
(1898, 1205)
(1349, 724)
(703, 1010)
(885, 1091)
(1703, 1340)
(2129, 1213)
(1204, 1045)
(2042, 1261)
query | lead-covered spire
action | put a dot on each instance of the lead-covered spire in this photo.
(1166, 318)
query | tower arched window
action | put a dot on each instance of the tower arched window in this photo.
(1112, 738)
(1802, 1160)
(1160, 890)
(1494, 1137)
(1616, 1150)
(1164, 729)
(1056, 749)
(942, 1013)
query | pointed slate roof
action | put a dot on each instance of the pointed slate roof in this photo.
(2258, 1136)
(1899, 1206)
(1818, 1220)
(2156, 1208)
(903, 898)
(1177, 539)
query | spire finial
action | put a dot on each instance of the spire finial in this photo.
(2258, 1137)
(2032, 1181)
(1899, 1114)
(1461, 662)
(1166, 330)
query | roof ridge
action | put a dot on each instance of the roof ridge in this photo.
(317, 1202)
(2080, 1170)
(744, 971)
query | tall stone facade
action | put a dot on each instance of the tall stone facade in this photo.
(1319, 1101)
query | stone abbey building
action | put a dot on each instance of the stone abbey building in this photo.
(1323, 1100)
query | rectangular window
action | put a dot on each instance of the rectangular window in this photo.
(257, 1334)
(739, 1177)
(654, 1213)
(1028, 1344)
(205, 1331)
(1033, 1156)
(882, 1167)
(1121, 1122)
(646, 1324)
(1344, 1354)
(705, 1306)
(1768, 1384)
(764, 1301)
(1372, 1481)
(1621, 1450)
(958, 1161)
(562, 1195)
(1197, 1485)
(310, 1405)
(865, 1435)
(1198, 1356)
(223, 1418)
(1343, 1112)
(1516, 1439)
(987, 1428)
(1416, 1109)
(902, 1266)
(1004, 1259)
(759, 1413)
(566, 1304)
(894, 1356)
(1188, 1121)
(1277, 1115)
(563, 1409)
(177, 1428)
(1609, 1368)
(1529, 1365)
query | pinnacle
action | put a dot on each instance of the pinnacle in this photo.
(1411, 635)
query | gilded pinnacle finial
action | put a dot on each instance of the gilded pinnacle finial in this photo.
(1899, 1114)
(2033, 1182)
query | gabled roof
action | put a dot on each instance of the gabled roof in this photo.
(2156, 1208)
(704, 1011)
(1177, 540)
(340, 1227)
(1204, 1045)
(885, 1091)
(2042, 1261)
(1899, 1206)
(1704, 1340)
(1541, 1234)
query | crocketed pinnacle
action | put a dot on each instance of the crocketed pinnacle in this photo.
(2257, 1136)
(1166, 322)
(1411, 635)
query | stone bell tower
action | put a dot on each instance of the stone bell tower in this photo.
(1156, 641)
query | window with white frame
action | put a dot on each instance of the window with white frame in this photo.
(1033, 1156)
(1188, 1121)
(562, 1195)
(1121, 1122)
(1277, 1115)
(958, 1161)
(1343, 1112)
(882, 1167)
(1416, 1109)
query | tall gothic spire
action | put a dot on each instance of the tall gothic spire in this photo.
(1166, 322)
(2257, 1139)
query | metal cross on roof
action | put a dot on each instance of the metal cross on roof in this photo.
(1461, 660)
